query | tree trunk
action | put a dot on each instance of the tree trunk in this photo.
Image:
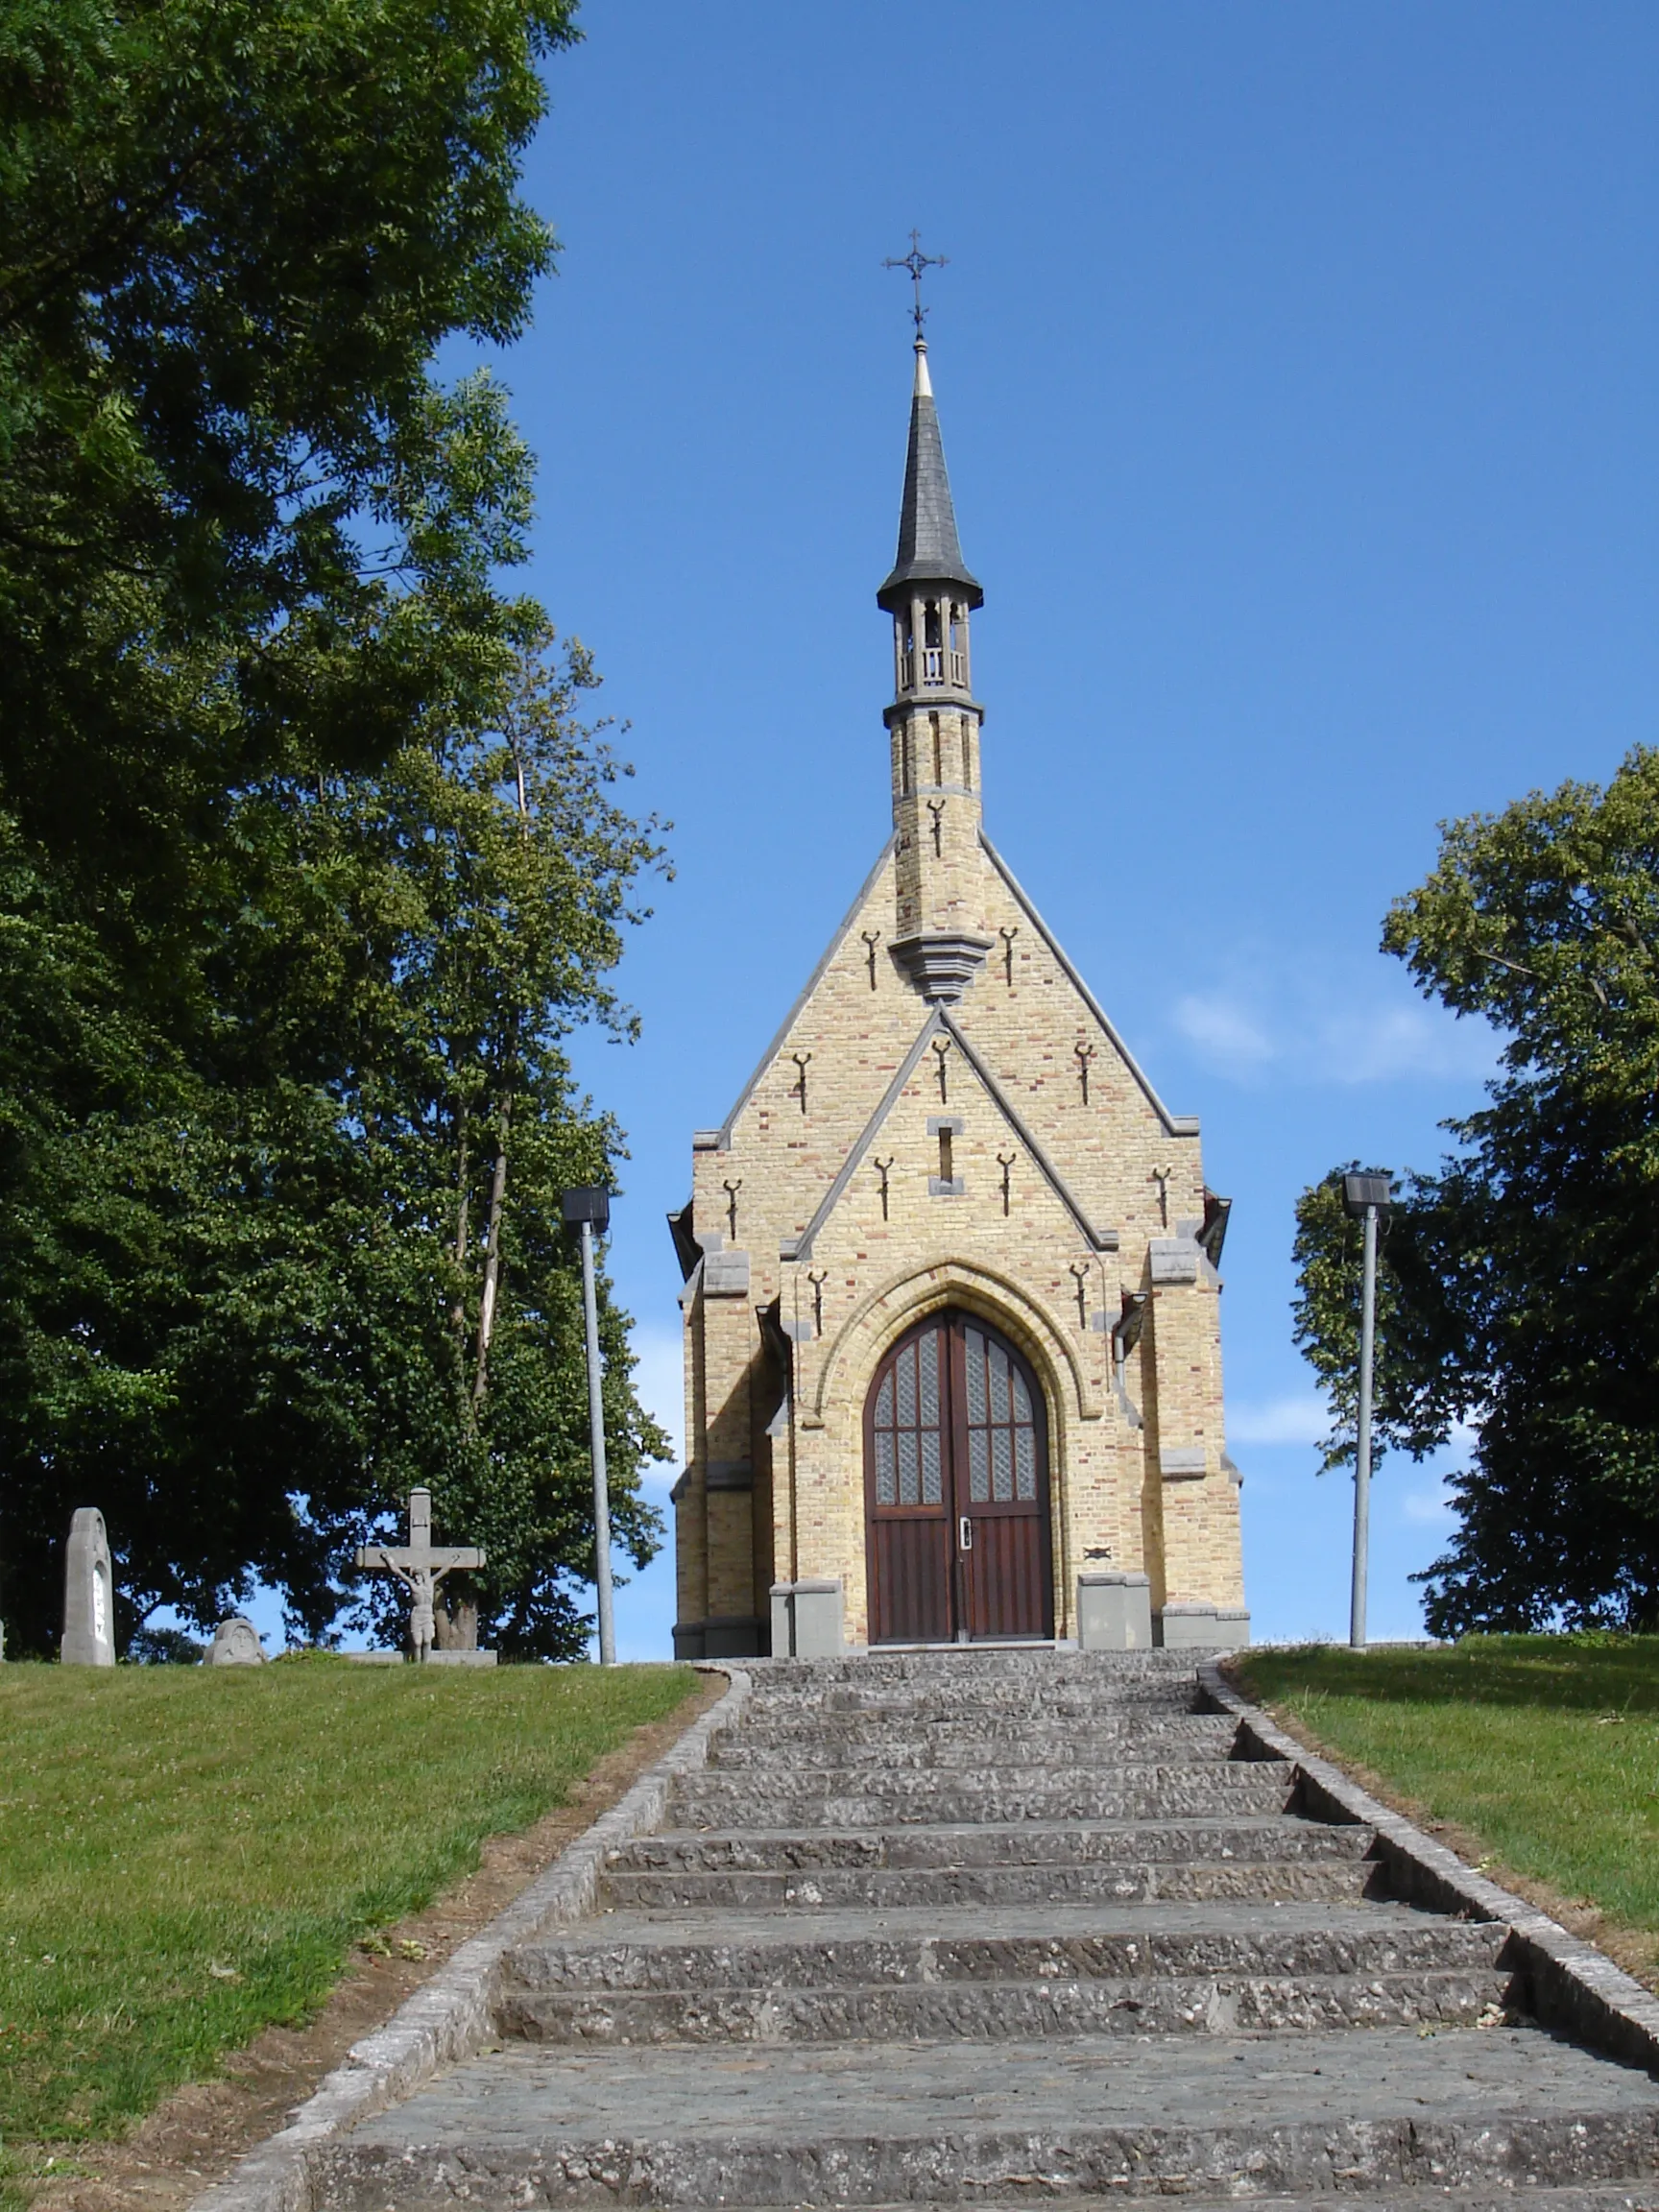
(455, 1620)
(458, 1312)
(493, 1255)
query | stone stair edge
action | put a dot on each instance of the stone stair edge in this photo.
(453, 2016)
(1361, 2160)
(1163, 2005)
(1571, 1987)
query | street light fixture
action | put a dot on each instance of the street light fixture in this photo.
(1364, 1198)
(589, 1209)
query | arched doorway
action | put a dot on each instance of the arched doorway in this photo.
(956, 1489)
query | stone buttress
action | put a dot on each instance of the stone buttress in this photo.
(948, 1123)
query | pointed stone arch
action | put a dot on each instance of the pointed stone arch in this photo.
(890, 1307)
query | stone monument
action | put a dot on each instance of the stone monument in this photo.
(235, 1643)
(421, 1566)
(88, 1593)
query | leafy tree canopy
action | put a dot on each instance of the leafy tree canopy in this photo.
(1518, 1290)
(239, 522)
(308, 863)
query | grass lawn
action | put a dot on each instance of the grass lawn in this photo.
(187, 1853)
(1545, 1749)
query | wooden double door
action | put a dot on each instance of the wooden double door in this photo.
(956, 1489)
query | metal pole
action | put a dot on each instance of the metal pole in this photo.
(596, 1429)
(1363, 1457)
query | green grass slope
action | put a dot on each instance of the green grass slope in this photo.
(186, 1855)
(1544, 1747)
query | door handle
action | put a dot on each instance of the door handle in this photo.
(965, 1534)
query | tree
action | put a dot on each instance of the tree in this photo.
(245, 1316)
(1520, 1290)
(232, 496)
(287, 954)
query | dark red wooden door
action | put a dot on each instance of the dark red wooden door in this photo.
(956, 1474)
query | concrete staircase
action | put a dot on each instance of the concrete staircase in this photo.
(1002, 1926)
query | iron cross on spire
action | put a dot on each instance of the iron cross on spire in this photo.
(915, 261)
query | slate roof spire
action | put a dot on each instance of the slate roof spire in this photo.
(929, 550)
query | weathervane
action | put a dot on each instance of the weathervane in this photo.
(915, 261)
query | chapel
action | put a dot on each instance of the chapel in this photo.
(952, 1300)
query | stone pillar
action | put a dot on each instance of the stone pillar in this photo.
(806, 1619)
(88, 1593)
(730, 1348)
(1198, 1514)
(1114, 1612)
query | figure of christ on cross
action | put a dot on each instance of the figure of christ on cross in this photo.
(419, 1566)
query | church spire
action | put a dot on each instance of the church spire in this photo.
(933, 723)
(930, 549)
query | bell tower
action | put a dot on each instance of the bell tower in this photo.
(934, 722)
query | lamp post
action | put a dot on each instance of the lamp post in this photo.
(590, 1209)
(1364, 1198)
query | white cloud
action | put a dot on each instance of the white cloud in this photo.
(1299, 1419)
(1425, 1506)
(1225, 1035)
(658, 1379)
(1392, 1043)
(1324, 1020)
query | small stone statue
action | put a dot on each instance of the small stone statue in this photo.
(235, 1643)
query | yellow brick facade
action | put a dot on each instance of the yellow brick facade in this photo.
(821, 1227)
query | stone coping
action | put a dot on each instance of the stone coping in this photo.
(453, 2016)
(1571, 1985)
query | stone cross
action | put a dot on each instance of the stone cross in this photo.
(88, 1593)
(419, 1566)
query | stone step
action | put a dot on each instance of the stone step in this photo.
(869, 1745)
(1247, 1835)
(967, 1663)
(1641, 2196)
(1030, 1694)
(851, 1949)
(839, 1797)
(969, 1689)
(965, 1712)
(832, 2125)
(1109, 1882)
(1000, 2010)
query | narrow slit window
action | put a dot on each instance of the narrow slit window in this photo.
(946, 1172)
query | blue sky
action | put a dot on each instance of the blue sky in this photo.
(1297, 367)
(1297, 370)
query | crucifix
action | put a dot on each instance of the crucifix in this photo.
(731, 1190)
(872, 938)
(798, 1089)
(1080, 1271)
(1008, 936)
(818, 1277)
(419, 1566)
(882, 1167)
(936, 807)
(915, 261)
